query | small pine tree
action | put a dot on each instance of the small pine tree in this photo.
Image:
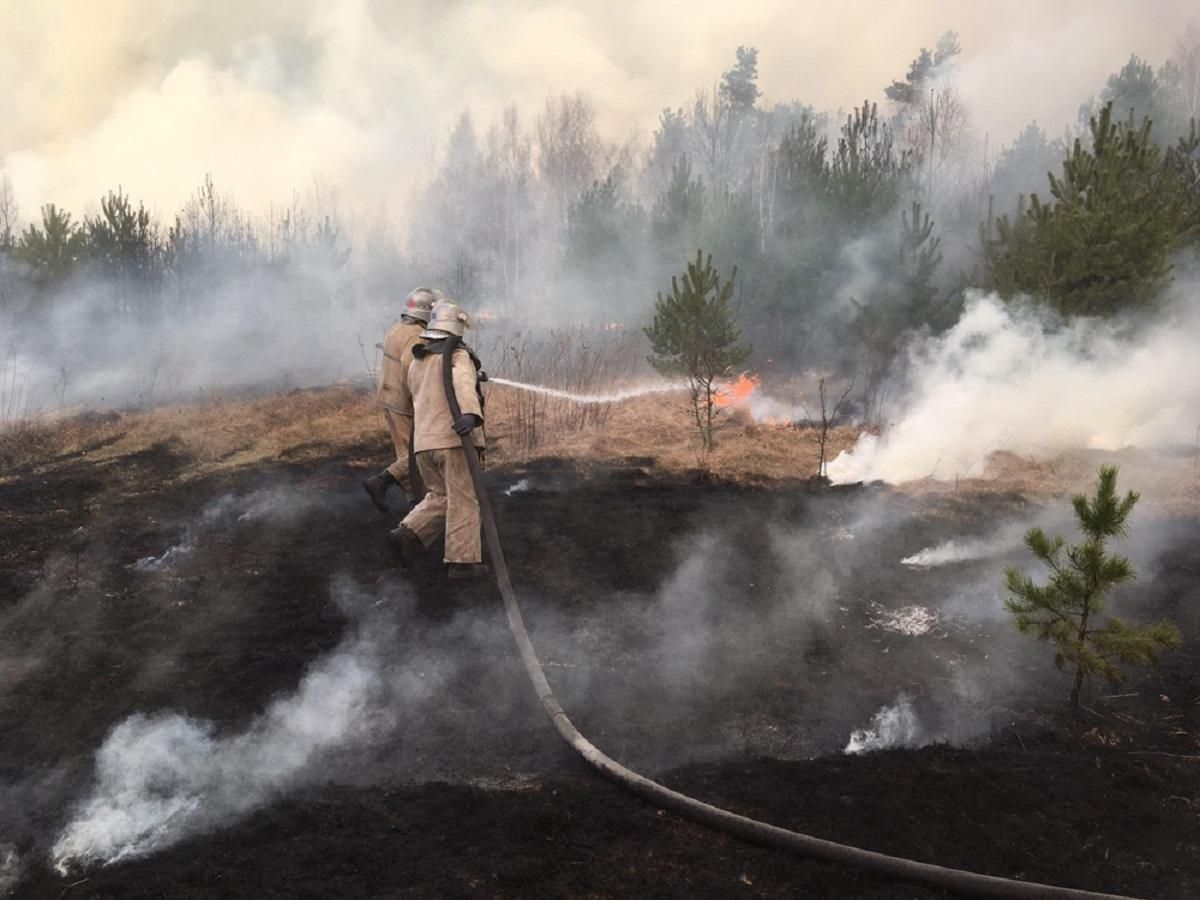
(694, 336)
(51, 251)
(1066, 610)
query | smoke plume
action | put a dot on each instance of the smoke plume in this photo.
(163, 777)
(1004, 378)
(360, 92)
(893, 726)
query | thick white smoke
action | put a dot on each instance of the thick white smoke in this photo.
(1005, 379)
(893, 726)
(161, 778)
(153, 95)
(963, 549)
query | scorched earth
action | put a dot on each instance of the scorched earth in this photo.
(215, 681)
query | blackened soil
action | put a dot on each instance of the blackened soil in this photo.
(726, 639)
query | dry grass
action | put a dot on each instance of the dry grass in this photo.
(661, 427)
(214, 433)
(223, 433)
(1170, 481)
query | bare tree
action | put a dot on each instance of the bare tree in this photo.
(9, 213)
(828, 418)
(1180, 76)
(509, 162)
(570, 152)
(714, 136)
(9, 227)
(938, 136)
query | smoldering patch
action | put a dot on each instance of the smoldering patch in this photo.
(912, 621)
(895, 725)
(10, 869)
(162, 777)
(280, 506)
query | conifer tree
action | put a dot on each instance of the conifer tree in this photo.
(52, 250)
(694, 336)
(1067, 609)
(1104, 243)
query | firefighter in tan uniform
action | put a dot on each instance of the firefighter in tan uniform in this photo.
(394, 398)
(450, 502)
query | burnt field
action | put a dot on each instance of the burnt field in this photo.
(280, 711)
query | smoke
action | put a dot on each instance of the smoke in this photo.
(361, 91)
(1004, 378)
(964, 549)
(517, 487)
(162, 777)
(364, 96)
(893, 726)
(10, 869)
(274, 506)
(235, 332)
(780, 633)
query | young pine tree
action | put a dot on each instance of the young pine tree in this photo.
(694, 336)
(1103, 243)
(1067, 609)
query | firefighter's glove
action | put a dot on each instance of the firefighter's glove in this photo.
(466, 422)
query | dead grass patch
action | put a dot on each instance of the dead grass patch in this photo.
(1170, 481)
(220, 433)
(661, 426)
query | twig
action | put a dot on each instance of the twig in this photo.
(1162, 753)
(71, 885)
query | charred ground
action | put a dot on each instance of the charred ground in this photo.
(746, 702)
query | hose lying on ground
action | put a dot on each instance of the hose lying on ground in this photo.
(957, 880)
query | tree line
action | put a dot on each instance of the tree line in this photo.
(849, 232)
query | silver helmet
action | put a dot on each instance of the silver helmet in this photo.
(419, 304)
(446, 318)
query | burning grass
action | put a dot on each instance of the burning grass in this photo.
(224, 432)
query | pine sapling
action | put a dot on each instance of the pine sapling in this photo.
(1067, 609)
(694, 335)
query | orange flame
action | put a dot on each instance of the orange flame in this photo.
(738, 392)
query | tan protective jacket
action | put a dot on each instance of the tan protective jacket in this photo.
(433, 427)
(393, 390)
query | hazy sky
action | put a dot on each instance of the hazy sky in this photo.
(152, 94)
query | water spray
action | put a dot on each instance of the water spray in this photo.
(751, 830)
(589, 399)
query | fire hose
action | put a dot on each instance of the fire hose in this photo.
(959, 881)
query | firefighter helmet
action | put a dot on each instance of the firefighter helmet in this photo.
(419, 303)
(446, 318)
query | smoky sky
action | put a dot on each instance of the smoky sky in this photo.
(358, 96)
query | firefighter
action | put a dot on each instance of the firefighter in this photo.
(394, 398)
(450, 504)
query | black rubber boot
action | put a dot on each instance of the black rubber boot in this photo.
(406, 544)
(466, 571)
(377, 487)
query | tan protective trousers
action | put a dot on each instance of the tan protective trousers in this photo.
(450, 501)
(400, 428)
